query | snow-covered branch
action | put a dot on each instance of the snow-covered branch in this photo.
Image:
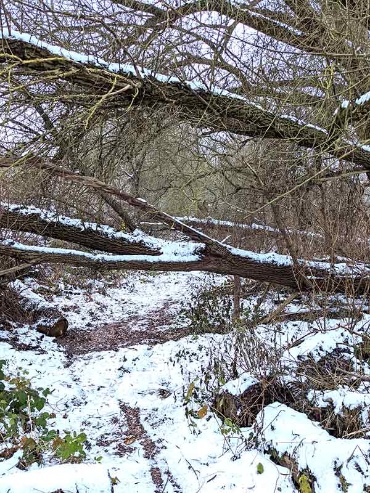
(212, 223)
(113, 85)
(87, 234)
(186, 256)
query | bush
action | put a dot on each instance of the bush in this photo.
(210, 310)
(25, 425)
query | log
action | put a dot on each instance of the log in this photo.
(17, 271)
(45, 317)
(207, 254)
(273, 268)
(89, 235)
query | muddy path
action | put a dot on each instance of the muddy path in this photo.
(151, 328)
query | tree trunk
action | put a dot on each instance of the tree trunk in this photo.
(218, 109)
(273, 268)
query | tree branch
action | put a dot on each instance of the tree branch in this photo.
(88, 235)
(273, 268)
(216, 109)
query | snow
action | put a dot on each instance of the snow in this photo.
(139, 293)
(33, 299)
(341, 268)
(275, 258)
(91, 392)
(88, 393)
(273, 21)
(319, 344)
(130, 70)
(361, 100)
(340, 398)
(291, 432)
(239, 385)
(303, 123)
(171, 252)
(88, 477)
(364, 98)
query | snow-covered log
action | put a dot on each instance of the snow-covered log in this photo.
(87, 234)
(201, 252)
(116, 86)
(45, 317)
(189, 256)
(211, 223)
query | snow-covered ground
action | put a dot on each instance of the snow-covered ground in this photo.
(133, 402)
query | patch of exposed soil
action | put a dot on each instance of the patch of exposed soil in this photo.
(113, 336)
(136, 432)
(13, 340)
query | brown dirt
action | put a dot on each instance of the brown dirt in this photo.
(136, 432)
(113, 336)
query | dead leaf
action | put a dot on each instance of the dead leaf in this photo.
(202, 412)
(190, 391)
(129, 440)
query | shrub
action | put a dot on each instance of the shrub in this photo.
(25, 425)
(210, 310)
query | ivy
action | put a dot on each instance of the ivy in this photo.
(26, 426)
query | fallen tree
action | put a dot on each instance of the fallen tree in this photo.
(112, 86)
(273, 268)
(201, 252)
(44, 223)
(60, 76)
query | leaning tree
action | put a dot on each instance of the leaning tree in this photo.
(274, 93)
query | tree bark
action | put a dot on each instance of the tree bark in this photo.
(88, 235)
(260, 267)
(218, 110)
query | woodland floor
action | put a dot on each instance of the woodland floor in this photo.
(134, 377)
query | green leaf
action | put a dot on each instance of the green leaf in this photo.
(39, 403)
(49, 436)
(260, 468)
(21, 397)
(46, 392)
(42, 420)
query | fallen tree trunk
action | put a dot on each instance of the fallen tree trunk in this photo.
(90, 235)
(217, 109)
(186, 257)
(45, 317)
(207, 254)
(18, 271)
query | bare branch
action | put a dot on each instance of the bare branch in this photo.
(215, 109)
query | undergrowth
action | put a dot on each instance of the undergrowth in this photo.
(26, 427)
(262, 351)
